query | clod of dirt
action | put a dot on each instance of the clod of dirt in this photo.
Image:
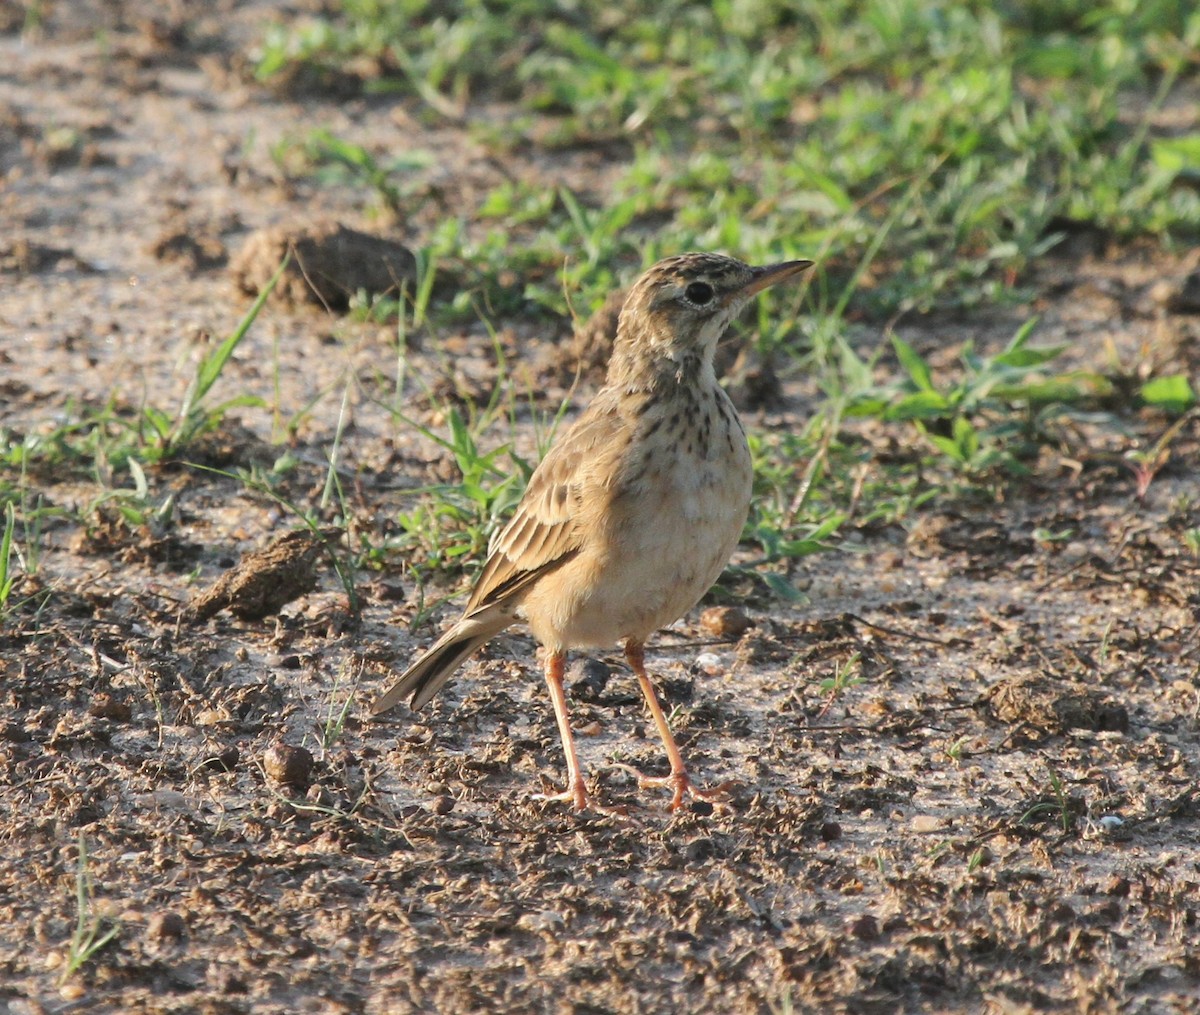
(590, 347)
(1047, 706)
(287, 765)
(224, 760)
(1181, 296)
(110, 533)
(724, 621)
(167, 926)
(865, 928)
(196, 251)
(266, 580)
(105, 706)
(751, 379)
(23, 257)
(329, 264)
(587, 679)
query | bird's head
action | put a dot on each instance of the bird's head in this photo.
(677, 311)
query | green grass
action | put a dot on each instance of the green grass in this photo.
(925, 152)
(92, 931)
(781, 129)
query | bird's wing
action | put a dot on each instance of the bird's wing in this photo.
(545, 530)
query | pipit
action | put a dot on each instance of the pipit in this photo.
(633, 513)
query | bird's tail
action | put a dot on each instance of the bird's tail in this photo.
(429, 674)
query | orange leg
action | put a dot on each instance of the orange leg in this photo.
(576, 792)
(635, 655)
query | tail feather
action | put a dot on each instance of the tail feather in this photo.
(429, 674)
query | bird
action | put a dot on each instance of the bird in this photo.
(634, 511)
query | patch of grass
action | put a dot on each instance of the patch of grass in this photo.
(106, 439)
(1056, 803)
(785, 128)
(924, 153)
(7, 578)
(452, 522)
(336, 713)
(92, 931)
(994, 415)
(335, 161)
(845, 676)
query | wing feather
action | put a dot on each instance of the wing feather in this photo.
(544, 531)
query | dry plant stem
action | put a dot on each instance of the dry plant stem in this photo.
(635, 654)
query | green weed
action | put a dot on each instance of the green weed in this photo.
(92, 931)
(793, 124)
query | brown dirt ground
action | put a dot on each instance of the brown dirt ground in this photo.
(900, 846)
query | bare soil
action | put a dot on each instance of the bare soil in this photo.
(1002, 815)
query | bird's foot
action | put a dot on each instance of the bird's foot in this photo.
(578, 795)
(682, 786)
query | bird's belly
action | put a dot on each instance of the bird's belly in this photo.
(670, 537)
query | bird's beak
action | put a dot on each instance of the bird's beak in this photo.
(769, 274)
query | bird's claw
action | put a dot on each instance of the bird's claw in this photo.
(681, 784)
(578, 795)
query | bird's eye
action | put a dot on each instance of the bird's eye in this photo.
(699, 293)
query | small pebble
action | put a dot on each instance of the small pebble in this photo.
(166, 926)
(587, 679)
(547, 921)
(724, 621)
(105, 706)
(442, 805)
(224, 761)
(288, 765)
(210, 717)
(923, 824)
(319, 796)
(865, 928)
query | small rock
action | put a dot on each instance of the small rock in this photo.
(166, 926)
(588, 679)
(442, 805)
(329, 264)
(105, 706)
(547, 922)
(388, 591)
(865, 928)
(265, 580)
(319, 796)
(724, 621)
(224, 761)
(288, 765)
(13, 733)
(1117, 886)
(210, 717)
(923, 824)
(1179, 296)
